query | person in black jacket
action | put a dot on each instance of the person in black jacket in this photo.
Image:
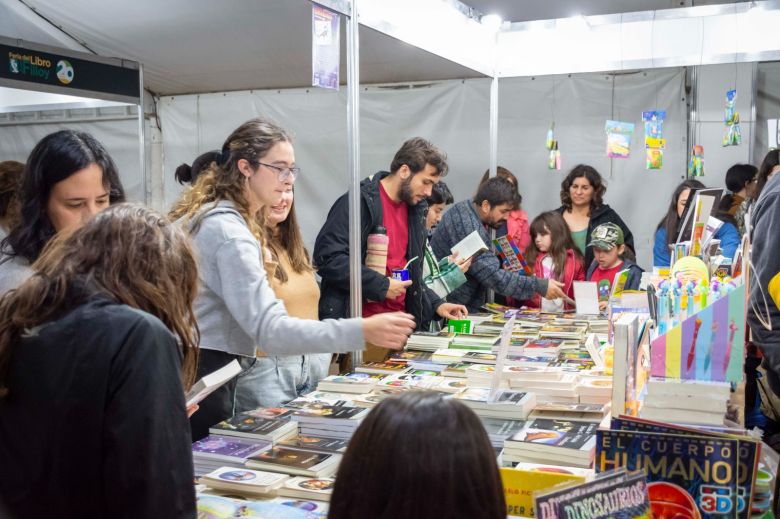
(394, 200)
(93, 350)
(582, 196)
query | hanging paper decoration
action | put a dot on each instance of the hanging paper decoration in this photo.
(696, 164)
(619, 139)
(554, 160)
(654, 141)
(733, 135)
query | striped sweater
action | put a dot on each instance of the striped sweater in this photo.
(485, 272)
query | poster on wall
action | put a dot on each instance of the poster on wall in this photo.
(325, 52)
(619, 139)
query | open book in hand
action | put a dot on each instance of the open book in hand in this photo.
(470, 246)
(211, 382)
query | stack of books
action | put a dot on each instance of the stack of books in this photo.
(571, 412)
(410, 356)
(213, 452)
(316, 444)
(499, 429)
(474, 341)
(686, 401)
(318, 489)
(448, 356)
(553, 331)
(350, 383)
(540, 347)
(481, 375)
(329, 421)
(299, 462)
(425, 341)
(244, 481)
(316, 398)
(408, 382)
(510, 405)
(479, 357)
(561, 442)
(255, 425)
(549, 384)
(595, 390)
(383, 368)
(456, 370)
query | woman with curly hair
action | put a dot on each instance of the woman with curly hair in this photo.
(238, 313)
(96, 350)
(583, 209)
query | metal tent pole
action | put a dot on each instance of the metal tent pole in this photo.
(353, 136)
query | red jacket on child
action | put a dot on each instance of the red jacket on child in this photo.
(572, 271)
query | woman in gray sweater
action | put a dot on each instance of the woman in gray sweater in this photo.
(236, 308)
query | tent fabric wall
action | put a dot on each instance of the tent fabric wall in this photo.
(767, 106)
(119, 137)
(455, 116)
(582, 104)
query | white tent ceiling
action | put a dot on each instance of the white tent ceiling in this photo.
(192, 46)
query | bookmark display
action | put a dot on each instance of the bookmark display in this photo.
(554, 159)
(619, 139)
(696, 164)
(654, 141)
(733, 134)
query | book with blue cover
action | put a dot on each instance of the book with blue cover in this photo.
(749, 452)
(688, 476)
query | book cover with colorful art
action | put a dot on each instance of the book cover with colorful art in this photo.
(689, 477)
(614, 496)
(749, 452)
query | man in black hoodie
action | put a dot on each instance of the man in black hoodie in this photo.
(764, 308)
(394, 200)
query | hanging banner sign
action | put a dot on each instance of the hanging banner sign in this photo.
(325, 48)
(63, 73)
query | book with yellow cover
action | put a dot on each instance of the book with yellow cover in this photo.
(521, 484)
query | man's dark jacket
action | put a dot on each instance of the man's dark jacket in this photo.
(331, 255)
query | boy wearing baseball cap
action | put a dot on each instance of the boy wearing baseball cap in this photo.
(608, 248)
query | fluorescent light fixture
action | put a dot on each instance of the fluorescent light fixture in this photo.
(492, 22)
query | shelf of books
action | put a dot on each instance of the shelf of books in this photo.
(626, 414)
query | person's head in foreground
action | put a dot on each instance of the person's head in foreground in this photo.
(126, 253)
(419, 455)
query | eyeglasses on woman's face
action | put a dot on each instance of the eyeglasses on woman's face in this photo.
(283, 173)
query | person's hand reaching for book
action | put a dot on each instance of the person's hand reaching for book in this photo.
(554, 289)
(390, 330)
(191, 410)
(452, 311)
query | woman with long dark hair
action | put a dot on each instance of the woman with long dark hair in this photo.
(669, 227)
(68, 178)
(96, 350)
(417, 456)
(583, 209)
(237, 310)
(769, 166)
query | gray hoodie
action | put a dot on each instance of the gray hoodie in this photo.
(236, 308)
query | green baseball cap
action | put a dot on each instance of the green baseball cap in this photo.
(606, 236)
